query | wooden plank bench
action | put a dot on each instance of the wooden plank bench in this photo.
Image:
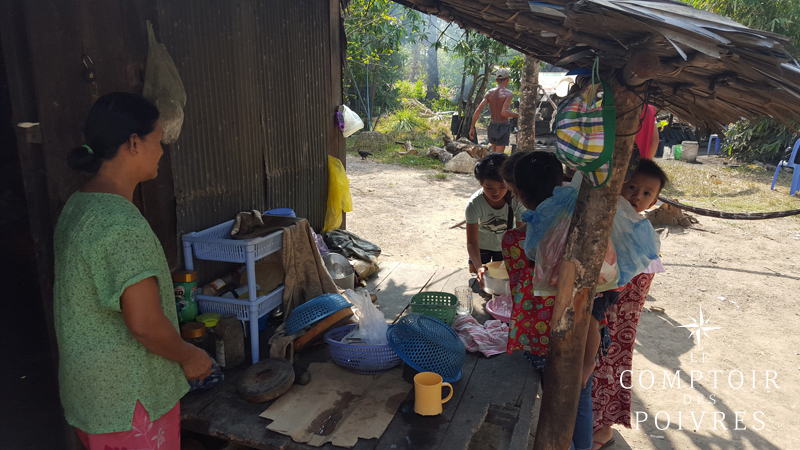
(500, 390)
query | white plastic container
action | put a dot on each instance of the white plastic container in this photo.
(497, 269)
(689, 151)
(495, 286)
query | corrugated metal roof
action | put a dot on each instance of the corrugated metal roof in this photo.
(255, 131)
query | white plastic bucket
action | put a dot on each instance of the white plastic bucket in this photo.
(497, 269)
(689, 151)
(495, 286)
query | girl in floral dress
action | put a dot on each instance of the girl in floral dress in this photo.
(531, 176)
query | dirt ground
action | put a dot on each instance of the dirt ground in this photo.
(742, 276)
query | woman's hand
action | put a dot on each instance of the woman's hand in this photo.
(141, 310)
(198, 366)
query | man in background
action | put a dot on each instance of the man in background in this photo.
(499, 101)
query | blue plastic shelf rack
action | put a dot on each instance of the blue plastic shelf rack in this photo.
(215, 244)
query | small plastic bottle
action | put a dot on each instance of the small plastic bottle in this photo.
(229, 341)
(224, 284)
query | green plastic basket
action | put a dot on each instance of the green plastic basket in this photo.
(440, 305)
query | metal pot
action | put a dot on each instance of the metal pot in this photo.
(340, 270)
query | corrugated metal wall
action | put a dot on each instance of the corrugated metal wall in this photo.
(255, 136)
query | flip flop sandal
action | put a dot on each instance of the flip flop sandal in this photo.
(608, 444)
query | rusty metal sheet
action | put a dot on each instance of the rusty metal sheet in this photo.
(256, 130)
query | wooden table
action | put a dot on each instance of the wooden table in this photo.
(499, 391)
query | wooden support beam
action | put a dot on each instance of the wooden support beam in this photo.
(577, 279)
(702, 82)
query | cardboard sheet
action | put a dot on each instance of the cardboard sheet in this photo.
(338, 406)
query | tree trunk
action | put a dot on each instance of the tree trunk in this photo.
(482, 89)
(415, 64)
(462, 103)
(372, 71)
(461, 99)
(469, 109)
(580, 267)
(526, 136)
(474, 98)
(433, 75)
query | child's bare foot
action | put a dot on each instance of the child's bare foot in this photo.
(604, 438)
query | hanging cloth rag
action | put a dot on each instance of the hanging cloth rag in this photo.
(306, 276)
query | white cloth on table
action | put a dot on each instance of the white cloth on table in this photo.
(491, 338)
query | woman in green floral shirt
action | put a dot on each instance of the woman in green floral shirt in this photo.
(123, 365)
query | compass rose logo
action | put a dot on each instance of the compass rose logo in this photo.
(700, 327)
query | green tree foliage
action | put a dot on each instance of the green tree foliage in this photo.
(762, 140)
(759, 139)
(480, 54)
(387, 42)
(450, 69)
(777, 16)
(515, 66)
(407, 89)
(444, 102)
(375, 31)
(406, 120)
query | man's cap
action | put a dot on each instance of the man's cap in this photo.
(502, 74)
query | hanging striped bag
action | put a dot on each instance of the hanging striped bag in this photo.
(586, 129)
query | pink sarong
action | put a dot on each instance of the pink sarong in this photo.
(162, 434)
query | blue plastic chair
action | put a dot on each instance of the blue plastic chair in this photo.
(795, 167)
(716, 147)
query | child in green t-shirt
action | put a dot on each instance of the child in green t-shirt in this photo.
(489, 213)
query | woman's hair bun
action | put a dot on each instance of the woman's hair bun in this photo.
(81, 159)
(112, 120)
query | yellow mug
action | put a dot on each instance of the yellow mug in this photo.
(428, 393)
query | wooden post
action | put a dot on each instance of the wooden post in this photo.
(577, 280)
(526, 136)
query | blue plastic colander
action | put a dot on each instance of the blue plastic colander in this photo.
(360, 358)
(428, 345)
(315, 310)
